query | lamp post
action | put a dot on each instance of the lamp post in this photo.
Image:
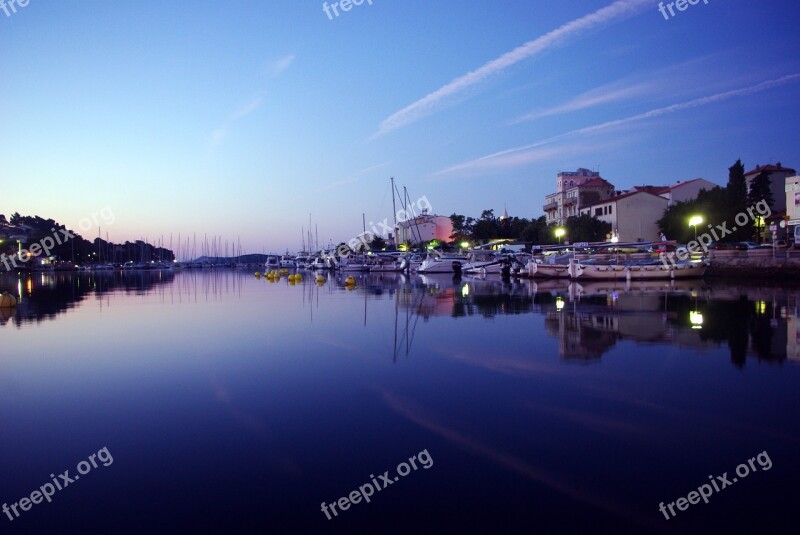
(560, 233)
(693, 222)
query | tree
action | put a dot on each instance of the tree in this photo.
(711, 205)
(585, 228)
(377, 243)
(736, 190)
(461, 231)
(761, 189)
(736, 201)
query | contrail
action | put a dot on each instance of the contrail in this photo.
(703, 101)
(570, 31)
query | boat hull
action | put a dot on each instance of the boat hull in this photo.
(638, 272)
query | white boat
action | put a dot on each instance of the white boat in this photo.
(319, 262)
(354, 263)
(273, 262)
(555, 267)
(442, 263)
(481, 262)
(301, 261)
(388, 263)
(287, 262)
(415, 261)
(636, 271)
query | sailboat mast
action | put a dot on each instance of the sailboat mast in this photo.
(394, 207)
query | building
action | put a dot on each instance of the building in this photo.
(792, 199)
(633, 215)
(777, 177)
(681, 191)
(574, 190)
(425, 228)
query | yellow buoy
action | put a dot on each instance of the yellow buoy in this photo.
(298, 277)
(258, 275)
(7, 300)
(320, 279)
(350, 281)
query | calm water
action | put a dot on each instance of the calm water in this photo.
(233, 403)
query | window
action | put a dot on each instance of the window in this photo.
(610, 208)
(598, 211)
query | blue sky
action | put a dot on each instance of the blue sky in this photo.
(239, 119)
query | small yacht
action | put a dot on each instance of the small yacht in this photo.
(273, 262)
(383, 263)
(288, 262)
(437, 262)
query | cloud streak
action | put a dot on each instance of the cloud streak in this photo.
(280, 65)
(561, 36)
(276, 68)
(508, 156)
(595, 97)
(352, 178)
(221, 132)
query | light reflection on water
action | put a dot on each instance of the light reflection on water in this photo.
(231, 401)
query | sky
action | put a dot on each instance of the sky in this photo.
(248, 119)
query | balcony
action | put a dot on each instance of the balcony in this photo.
(569, 201)
(549, 207)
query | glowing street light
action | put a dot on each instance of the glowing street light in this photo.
(693, 222)
(465, 245)
(560, 233)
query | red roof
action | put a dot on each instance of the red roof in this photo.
(777, 168)
(655, 190)
(595, 182)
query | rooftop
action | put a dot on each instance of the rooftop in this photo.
(777, 168)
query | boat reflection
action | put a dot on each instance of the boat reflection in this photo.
(587, 319)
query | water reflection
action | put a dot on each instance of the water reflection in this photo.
(588, 319)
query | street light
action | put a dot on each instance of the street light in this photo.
(560, 233)
(693, 222)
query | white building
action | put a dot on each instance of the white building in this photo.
(633, 216)
(792, 198)
(425, 228)
(574, 190)
(686, 190)
(777, 176)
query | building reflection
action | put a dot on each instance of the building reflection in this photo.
(587, 319)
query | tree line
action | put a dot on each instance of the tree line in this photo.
(487, 227)
(78, 249)
(718, 205)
